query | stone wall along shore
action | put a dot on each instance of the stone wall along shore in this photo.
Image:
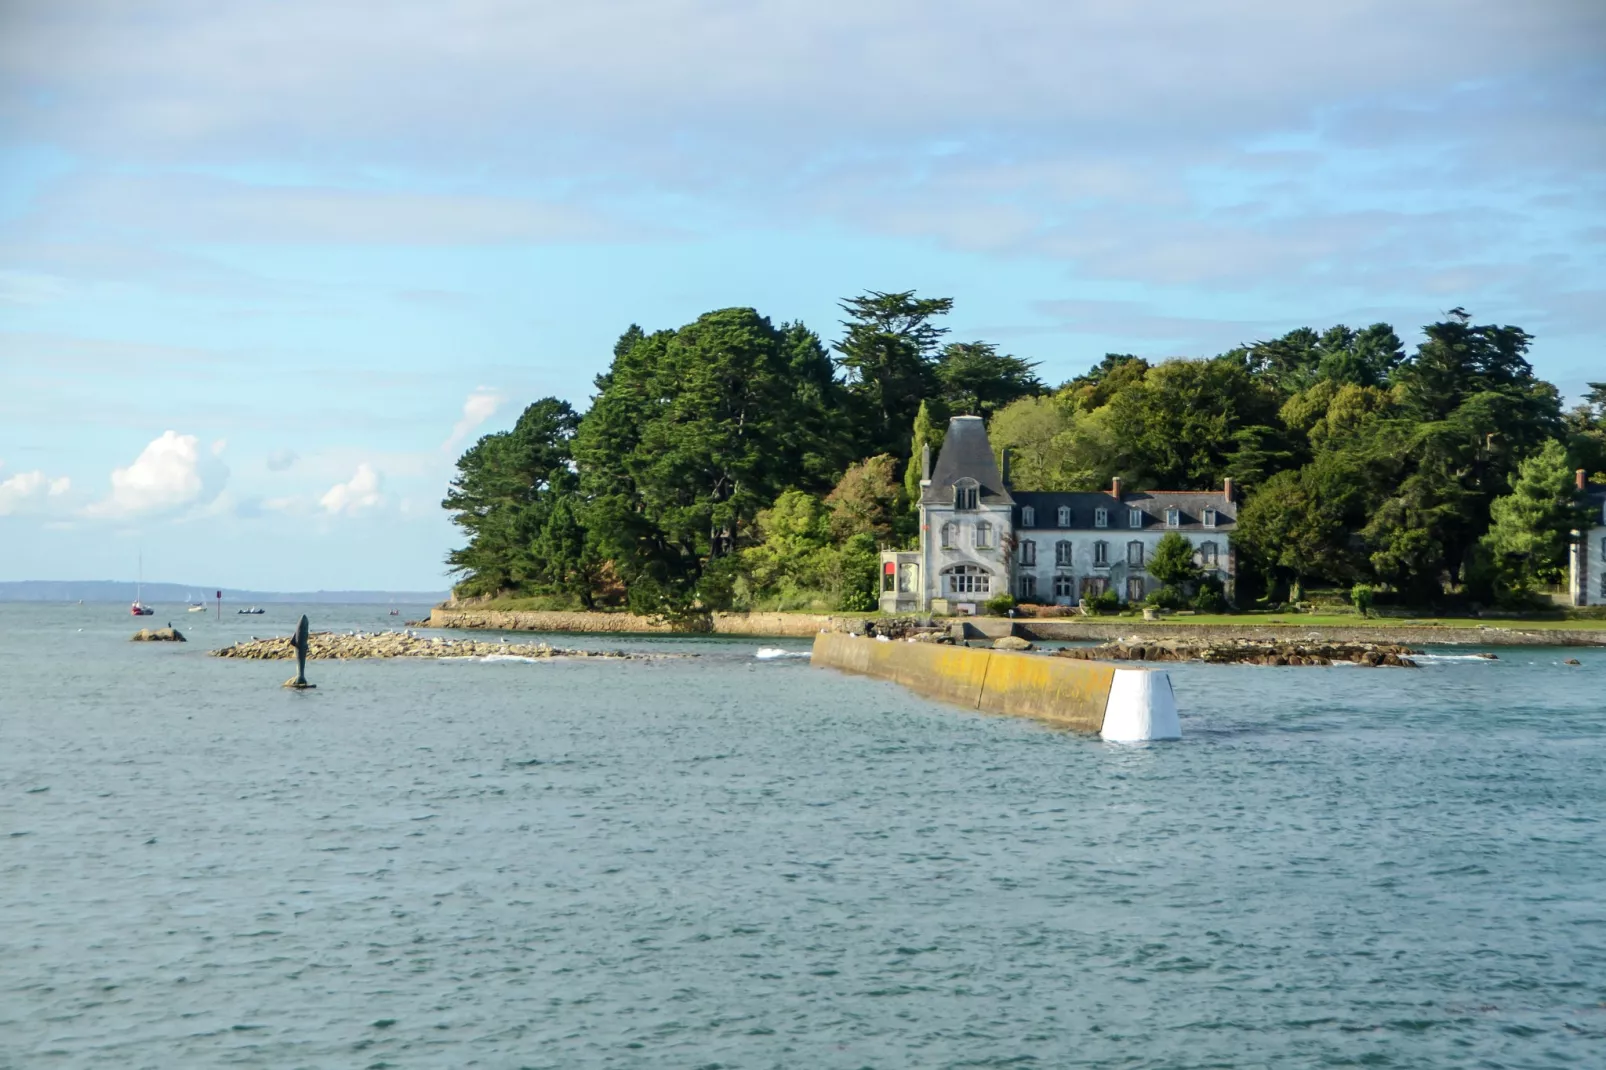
(335, 646)
(777, 625)
(1247, 652)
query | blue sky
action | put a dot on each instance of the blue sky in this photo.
(265, 269)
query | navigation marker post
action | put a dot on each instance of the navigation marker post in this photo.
(220, 607)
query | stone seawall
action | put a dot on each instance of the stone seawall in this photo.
(1402, 634)
(779, 625)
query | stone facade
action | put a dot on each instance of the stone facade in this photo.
(1586, 564)
(979, 539)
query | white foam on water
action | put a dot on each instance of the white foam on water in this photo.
(1450, 657)
(770, 653)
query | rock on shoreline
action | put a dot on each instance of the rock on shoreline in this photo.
(158, 635)
(1247, 652)
(336, 646)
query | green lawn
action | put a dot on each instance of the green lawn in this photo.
(1351, 620)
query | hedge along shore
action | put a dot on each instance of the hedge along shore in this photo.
(1063, 629)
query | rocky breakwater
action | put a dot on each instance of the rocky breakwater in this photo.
(1247, 652)
(336, 646)
(158, 635)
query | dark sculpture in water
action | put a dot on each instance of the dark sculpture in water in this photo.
(299, 641)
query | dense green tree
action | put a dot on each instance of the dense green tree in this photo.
(1172, 561)
(887, 351)
(502, 495)
(928, 431)
(1586, 432)
(977, 380)
(691, 434)
(1104, 380)
(1526, 543)
(1176, 429)
(869, 500)
(1297, 526)
(1039, 433)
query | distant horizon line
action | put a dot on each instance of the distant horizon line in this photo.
(161, 590)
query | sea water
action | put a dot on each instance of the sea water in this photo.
(734, 859)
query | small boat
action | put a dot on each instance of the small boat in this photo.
(395, 612)
(196, 607)
(139, 608)
(253, 611)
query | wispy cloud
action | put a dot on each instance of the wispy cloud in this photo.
(480, 406)
(358, 494)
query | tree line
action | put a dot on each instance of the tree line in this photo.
(737, 463)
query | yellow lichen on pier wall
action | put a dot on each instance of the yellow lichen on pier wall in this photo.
(1072, 694)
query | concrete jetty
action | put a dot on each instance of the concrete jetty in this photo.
(1126, 705)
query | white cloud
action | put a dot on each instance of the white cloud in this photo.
(170, 473)
(281, 460)
(480, 406)
(28, 491)
(357, 494)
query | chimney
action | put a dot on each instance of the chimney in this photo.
(925, 462)
(1115, 487)
(1582, 477)
(1005, 472)
(1226, 488)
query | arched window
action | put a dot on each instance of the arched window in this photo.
(984, 535)
(1028, 552)
(1065, 516)
(968, 579)
(1207, 554)
(1028, 517)
(948, 531)
(1062, 553)
(1101, 554)
(1101, 518)
(1134, 553)
(966, 494)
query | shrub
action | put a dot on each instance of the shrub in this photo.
(1209, 600)
(1168, 597)
(1106, 602)
(999, 605)
(1363, 595)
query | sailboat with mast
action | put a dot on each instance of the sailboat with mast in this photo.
(139, 608)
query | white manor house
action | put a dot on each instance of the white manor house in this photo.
(979, 539)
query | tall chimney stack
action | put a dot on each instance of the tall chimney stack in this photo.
(1115, 487)
(1005, 466)
(1226, 488)
(1582, 478)
(925, 462)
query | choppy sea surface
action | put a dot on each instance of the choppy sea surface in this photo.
(731, 860)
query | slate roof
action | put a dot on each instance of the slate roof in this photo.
(966, 453)
(1190, 504)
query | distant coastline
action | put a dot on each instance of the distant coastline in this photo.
(155, 593)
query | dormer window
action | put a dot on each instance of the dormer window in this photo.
(966, 494)
(1173, 517)
(1065, 516)
(1101, 518)
(1028, 517)
(1209, 517)
(1134, 518)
